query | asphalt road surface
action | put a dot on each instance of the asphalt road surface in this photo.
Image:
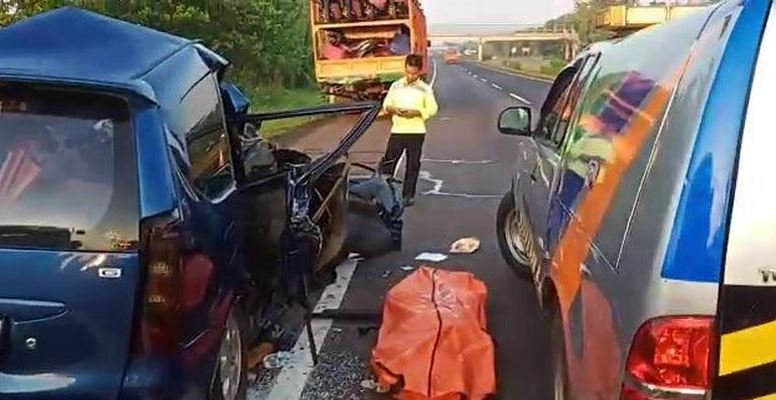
(467, 168)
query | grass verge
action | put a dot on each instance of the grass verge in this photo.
(545, 72)
(267, 99)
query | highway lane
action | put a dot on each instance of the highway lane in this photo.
(468, 167)
(525, 90)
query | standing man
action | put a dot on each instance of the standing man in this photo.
(410, 102)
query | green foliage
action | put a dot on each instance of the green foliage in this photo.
(277, 99)
(583, 21)
(268, 41)
(552, 69)
(513, 64)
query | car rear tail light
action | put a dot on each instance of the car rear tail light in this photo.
(670, 358)
(160, 323)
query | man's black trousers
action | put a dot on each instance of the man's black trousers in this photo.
(413, 145)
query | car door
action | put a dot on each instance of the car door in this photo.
(210, 211)
(541, 183)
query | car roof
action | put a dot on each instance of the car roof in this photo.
(71, 45)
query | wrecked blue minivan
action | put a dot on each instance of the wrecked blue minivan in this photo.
(146, 230)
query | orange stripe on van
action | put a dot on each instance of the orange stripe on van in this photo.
(574, 246)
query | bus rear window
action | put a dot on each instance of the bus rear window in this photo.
(68, 176)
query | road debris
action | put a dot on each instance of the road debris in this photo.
(364, 330)
(259, 353)
(407, 268)
(465, 246)
(355, 257)
(431, 257)
(386, 274)
(371, 384)
(278, 360)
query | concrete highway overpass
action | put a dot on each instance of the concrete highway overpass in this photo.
(566, 37)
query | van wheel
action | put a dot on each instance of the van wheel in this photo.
(512, 231)
(230, 382)
(560, 387)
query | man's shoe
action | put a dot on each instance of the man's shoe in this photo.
(409, 202)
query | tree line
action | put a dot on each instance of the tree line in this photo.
(268, 41)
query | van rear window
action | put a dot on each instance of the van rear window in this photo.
(68, 176)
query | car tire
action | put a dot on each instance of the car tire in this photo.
(511, 233)
(231, 377)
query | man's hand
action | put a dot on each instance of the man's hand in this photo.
(409, 113)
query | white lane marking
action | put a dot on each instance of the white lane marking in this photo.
(291, 381)
(520, 99)
(484, 80)
(465, 195)
(496, 86)
(426, 176)
(437, 190)
(456, 162)
(433, 79)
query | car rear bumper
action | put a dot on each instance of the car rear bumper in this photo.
(187, 376)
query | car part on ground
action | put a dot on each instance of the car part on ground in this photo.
(380, 192)
(465, 246)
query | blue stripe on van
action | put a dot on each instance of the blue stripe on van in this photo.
(696, 247)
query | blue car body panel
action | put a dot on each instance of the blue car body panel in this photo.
(91, 367)
(696, 246)
(88, 49)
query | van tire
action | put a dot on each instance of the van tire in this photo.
(508, 227)
(235, 325)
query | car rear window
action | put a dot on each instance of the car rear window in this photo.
(68, 176)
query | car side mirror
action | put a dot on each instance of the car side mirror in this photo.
(515, 121)
(236, 103)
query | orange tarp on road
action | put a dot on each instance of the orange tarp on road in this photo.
(433, 342)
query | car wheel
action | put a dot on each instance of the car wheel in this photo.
(512, 233)
(230, 382)
(560, 386)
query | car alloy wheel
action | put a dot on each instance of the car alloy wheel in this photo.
(515, 234)
(230, 362)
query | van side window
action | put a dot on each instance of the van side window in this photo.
(553, 105)
(572, 99)
(206, 138)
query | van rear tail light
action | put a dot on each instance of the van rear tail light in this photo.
(160, 322)
(670, 358)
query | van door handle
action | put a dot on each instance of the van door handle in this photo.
(534, 173)
(593, 170)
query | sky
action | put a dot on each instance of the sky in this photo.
(494, 11)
